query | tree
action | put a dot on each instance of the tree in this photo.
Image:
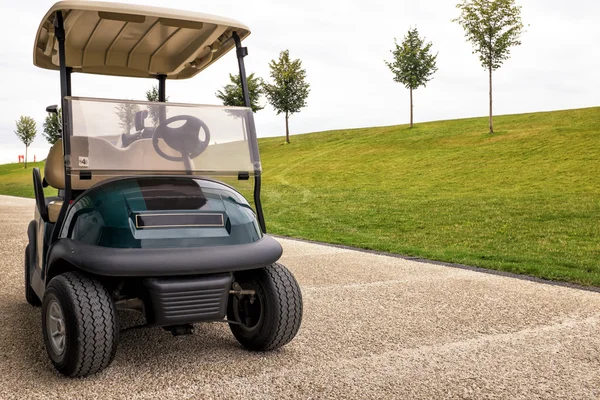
(126, 113)
(413, 64)
(26, 131)
(289, 90)
(231, 95)
(492, 27)
(152, 94)
(154, 111)
(52, 127)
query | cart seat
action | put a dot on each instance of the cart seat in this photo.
(54, 171)
(53, 210)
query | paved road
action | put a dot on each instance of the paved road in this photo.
(374, 327)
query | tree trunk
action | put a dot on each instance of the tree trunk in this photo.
(287, 128)
(26, 156)
(491, 122)
(411, 108)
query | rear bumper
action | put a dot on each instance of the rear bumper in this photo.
(146, 262)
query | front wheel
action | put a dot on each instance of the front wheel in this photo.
(271, 318)
(79, 324)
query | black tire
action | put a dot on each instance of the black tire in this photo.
(274, 318)
(90, 325)
(30, 295)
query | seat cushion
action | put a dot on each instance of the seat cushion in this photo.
(54, 168)
(54, 209)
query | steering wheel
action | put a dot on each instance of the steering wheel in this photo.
(184, 139)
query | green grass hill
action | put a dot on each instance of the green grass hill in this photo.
(525, 199)
(15, 180)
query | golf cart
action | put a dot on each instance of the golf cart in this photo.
(142, 219)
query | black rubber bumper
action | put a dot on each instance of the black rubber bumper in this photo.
(149, 262)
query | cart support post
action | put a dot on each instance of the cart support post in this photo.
(65, 90)
(162, 96)
(162, 79)
(69, 71)
(241, 53)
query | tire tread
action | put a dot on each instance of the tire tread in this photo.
(289, 299)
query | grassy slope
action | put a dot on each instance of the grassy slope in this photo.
(526, 199)
(15, 180)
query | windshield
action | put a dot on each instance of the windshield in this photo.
(114, 137)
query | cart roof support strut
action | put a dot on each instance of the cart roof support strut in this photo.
(242, 52)
(65, 90)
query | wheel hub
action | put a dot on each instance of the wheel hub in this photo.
(248, 309)
(55, 327)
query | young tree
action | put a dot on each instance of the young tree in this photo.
(413, 64)
(154, 111)
(492, 27)
(231, 95)
(126, 113)
(26, 131)
(289, 90)
(152, 94)
(52, 127)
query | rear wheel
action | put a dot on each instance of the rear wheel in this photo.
(79, 324)
(272, 317)
(30, 295)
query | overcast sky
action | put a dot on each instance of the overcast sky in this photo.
(342, 45)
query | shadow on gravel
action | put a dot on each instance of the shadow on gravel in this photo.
(24, 356)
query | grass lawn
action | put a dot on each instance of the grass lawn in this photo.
(525, 199)
(15, 180)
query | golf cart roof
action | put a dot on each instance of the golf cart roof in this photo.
(134, 40)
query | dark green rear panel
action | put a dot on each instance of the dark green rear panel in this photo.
(163, 212)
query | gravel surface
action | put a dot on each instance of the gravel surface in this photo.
(374, 327)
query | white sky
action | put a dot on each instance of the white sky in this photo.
(342, 45)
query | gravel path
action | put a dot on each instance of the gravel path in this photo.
(374, 327)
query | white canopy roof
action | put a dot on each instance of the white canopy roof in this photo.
(133, 40)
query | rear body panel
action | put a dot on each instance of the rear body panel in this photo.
(159, 213)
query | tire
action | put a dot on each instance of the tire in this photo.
(274, 318)
(89, 324)
(30, 295)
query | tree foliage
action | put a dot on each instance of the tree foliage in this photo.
(126, 113)
(152, 94)
(26, 131)
(413, 64)
(154, 111)
(493, 27)
(232, 95)
(52, 127)
(289, 90)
